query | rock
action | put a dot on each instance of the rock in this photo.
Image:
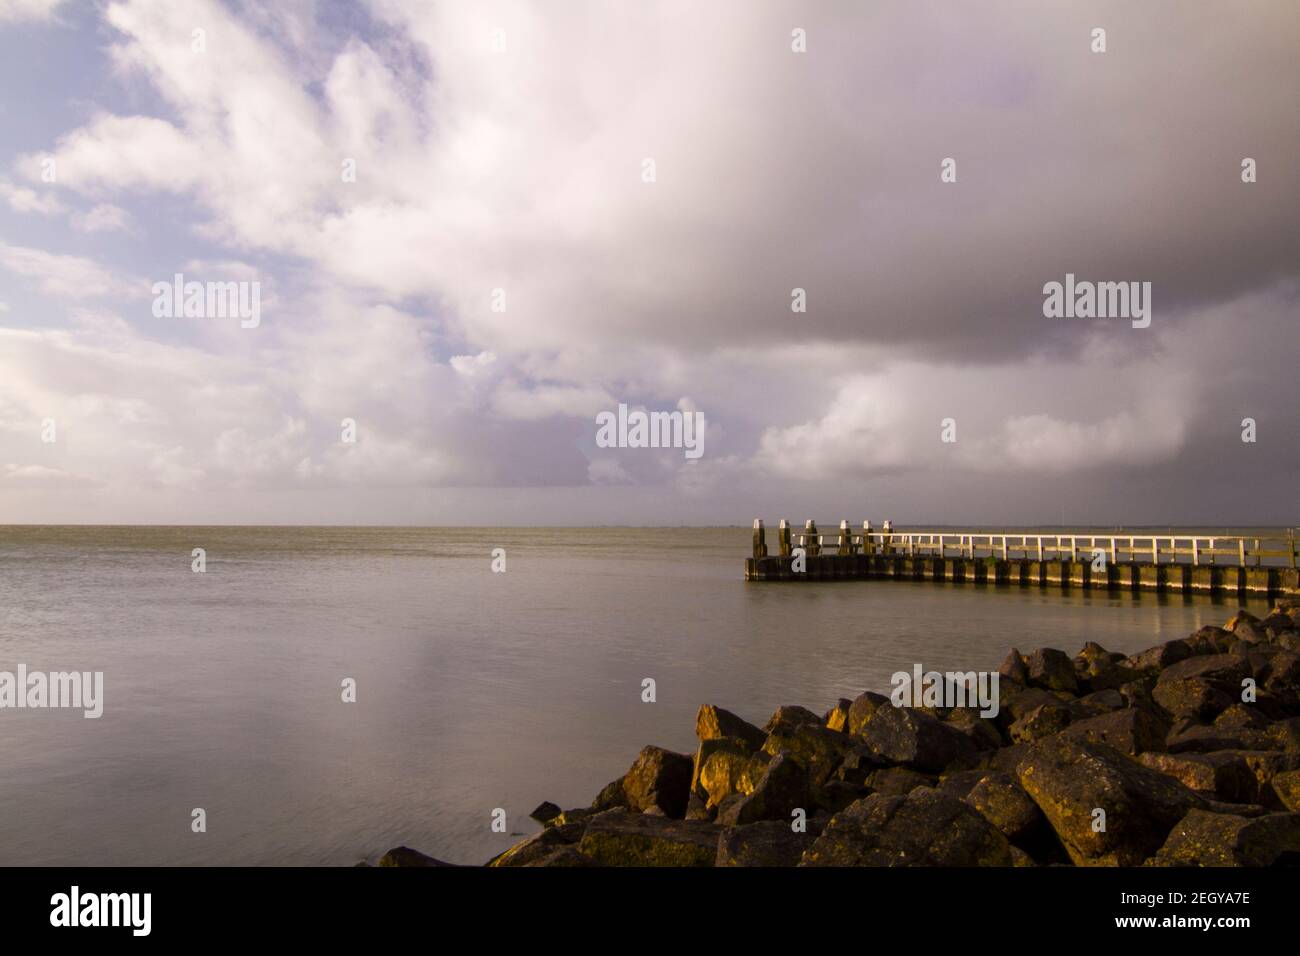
(659, 778)
(792, 714)
(1286, 787)
(618, 838)
(562, 856)
(697, 808)
(1211, 640)
(405, 856)
(863, 706)
(1052, 670)
(857, 765)
(1241, 617)
(1042, 721)
(981, 731)
(1187, 736)
(1004, 803)
(897, 780)
(1225, 670)
(610, 797)
(1160, 656)
(1103, 701)
(767, 843)
(901, 735)
(1285, 735)
(545, 812)
(835, 795)
(1215, 839)
(781, 789)
(725, 766)
(961, 782)
(1241, 717)
(1014, 704)
(818, 750)
(712, 722)
(1129, 731)
(1192, 697)
(1070, 778)
(924, 828)
(577, 815)
(1222, 776)
(1103, 674)
(1013, 668)
(838, 716)
(539, 845)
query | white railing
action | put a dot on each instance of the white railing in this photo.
(1166, 548)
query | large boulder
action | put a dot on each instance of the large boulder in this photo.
(862, 709)
(1129, 731)
(405, 856)
(1043, 721)
(619, 838)
(1222, 776)
(767, 843)
(539, 846)
(1188, 736)
(1159, 657)
(659, 778)
(813, 746)
(1218, 839)
(712, 722)
(777, 793)
(837, 718)
(1052, 670)
(924, 828)
(1286, 787)
(1226, 670)
(1071, 778)
(1004, 803)
(792, 714)
(1192, 697)
(725, 766)
(903, 735)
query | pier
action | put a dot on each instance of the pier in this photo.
(1171, 561)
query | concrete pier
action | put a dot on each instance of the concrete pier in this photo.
(1173, 561)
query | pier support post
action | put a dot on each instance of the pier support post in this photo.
(811, 542)
(846, 539)
(760, 539)
(783, 538)
(867, 546)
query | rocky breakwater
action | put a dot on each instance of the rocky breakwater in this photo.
(1184, 754)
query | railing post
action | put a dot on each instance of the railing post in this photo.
(760, 539)
(1004, 547)
(1074, 549)
(1196, 553)
(1155, 550)
(1114, 552)
(1040, 549)
(1241, 551)
(783, 538)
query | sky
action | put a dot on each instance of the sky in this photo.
(476, 227)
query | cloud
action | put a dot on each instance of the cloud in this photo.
(68, 277)
(19, 11)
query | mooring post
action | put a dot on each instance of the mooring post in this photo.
(867, 546)
(846, 538)
(760, 539)
(811, 542)
(783, 538)
(886, 533)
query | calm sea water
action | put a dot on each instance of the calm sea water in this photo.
(476, 690)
